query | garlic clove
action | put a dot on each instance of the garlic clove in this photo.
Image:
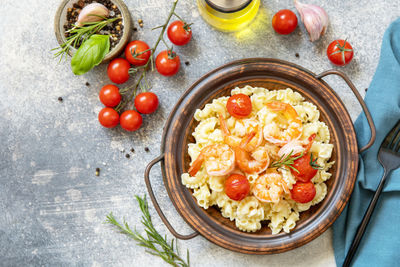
(314, 18)
(91, 13)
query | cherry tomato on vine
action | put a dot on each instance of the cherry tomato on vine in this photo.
(108, 117)
(340, 52)
(109, 95)
(237, 187)
(118, 70)
(284, 21)
(303, 192)
(137, 47)
(131, 120)
(146, 102)
(239, 106)
(179, 33)
(167, 63)
(306, 170)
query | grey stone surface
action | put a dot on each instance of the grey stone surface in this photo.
(52, 204)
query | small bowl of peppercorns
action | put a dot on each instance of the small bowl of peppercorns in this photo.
(119, 30)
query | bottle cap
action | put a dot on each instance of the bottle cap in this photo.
(228, 6)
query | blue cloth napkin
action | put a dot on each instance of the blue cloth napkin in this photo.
(380, 245)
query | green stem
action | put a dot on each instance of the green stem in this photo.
(153, 50)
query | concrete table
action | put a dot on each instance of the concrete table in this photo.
(53, 205)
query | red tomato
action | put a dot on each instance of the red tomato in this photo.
(137, 47)
(239, 106)
(108, 117)
(118, 70)
(340, 52)
(146, 102)
(306, 171)
(303, 192)
(167, 63)
(284, 21)
(237, 187)
(131, 120)
(179, 33)
(109, 95)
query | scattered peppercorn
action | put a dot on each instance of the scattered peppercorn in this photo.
(97, 171)
(146, 149)
(134, 29)
(366, 89)
(297, 55)
(127, 156)
(87, 84)
(60, 99)
(132, 150)
(187, 63)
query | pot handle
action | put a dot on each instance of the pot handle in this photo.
(155, 203)
(360, 100)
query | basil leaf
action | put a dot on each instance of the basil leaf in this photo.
(90, 53)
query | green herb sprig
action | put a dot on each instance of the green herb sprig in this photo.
(314, 164)
(286, 160)
(80, 34)
(154, 243)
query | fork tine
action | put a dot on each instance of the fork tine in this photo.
(387, 142)
(396, 142)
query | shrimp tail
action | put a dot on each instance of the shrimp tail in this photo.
(310, 142)
(247, 139)
(224, 127)
(196, 165)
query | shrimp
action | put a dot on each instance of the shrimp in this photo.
(269, 187)
(256, 162)
(218, 160)
(297, 147)
(293, 130)
(248, 125)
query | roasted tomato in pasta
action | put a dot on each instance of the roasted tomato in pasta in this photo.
(303, 192)
(306, 167)
(237, 187)
(239, 106)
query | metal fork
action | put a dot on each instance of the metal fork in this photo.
(389, 157)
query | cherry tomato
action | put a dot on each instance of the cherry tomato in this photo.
(179, 33)
(131, 120)
(137, 47)
(118, 70)
(303, 192)
(340, 52)
(239, 106)
(284, 21)
(108, 117)
(306, 171)
(167, 63)
(237, 187)
(109, 95)
(146, 102)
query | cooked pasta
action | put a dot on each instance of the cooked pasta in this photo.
(277, 205)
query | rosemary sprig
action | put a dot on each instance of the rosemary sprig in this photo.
(154, 243)
(314, 164)
(79, 34)
(286, 160)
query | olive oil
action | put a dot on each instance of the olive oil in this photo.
(228, 15)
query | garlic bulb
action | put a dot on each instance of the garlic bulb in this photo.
(314, 18)
(91, 13)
